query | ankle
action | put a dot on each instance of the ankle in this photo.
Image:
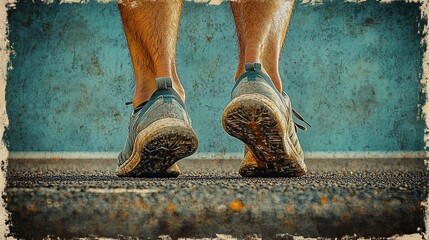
(139, 99)
(144, 94)
(252, 57)
(168, 69)
(163, 69)
(252, 53)
(240, 70)
(275, 77)
(272, 73)
(276, 81)
(179, 89)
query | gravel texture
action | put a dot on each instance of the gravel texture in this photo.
(201, 204)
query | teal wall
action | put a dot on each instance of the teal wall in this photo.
(351, 69)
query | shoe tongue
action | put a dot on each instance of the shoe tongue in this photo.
(163, 83)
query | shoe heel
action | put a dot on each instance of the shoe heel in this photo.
(159, 147)
(257, 124)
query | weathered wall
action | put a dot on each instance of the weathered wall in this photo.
(352, 70)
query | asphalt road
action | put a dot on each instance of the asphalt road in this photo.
(207, 203)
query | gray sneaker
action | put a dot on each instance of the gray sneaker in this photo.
(261, 117)
(160, 134)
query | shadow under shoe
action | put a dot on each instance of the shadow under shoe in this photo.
(252, 167)
(171, 172)
(159, 135)
(261, 118)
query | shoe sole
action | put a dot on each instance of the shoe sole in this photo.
(158, 147)
(260, 124)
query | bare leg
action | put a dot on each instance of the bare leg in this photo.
(258, 115)
(261, 29)
(151, 29)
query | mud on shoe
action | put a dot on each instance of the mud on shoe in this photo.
(160, 134)
(261, 117)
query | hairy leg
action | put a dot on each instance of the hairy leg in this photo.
(151, 29)
(261, 29)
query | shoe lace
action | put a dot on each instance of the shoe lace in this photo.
(297, 115)
(297, 125)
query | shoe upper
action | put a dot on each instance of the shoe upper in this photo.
(164, 103)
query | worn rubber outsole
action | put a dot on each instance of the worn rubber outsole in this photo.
(260, 124)
(158, 147)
